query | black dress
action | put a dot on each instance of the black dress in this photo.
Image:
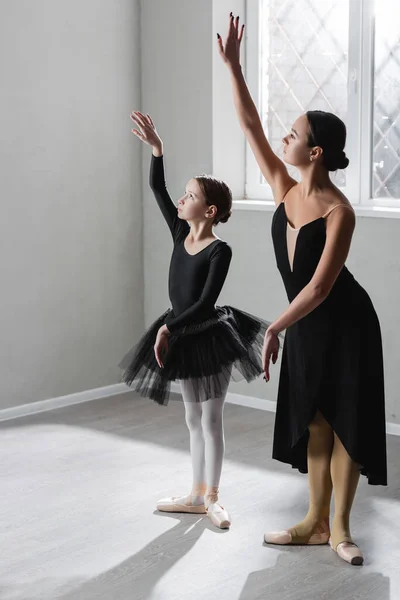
(207, 344)
(331, 361)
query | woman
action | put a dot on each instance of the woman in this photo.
(330, 419)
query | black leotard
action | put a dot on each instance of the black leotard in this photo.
(195, 281)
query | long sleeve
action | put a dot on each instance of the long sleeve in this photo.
(161, 194)
(219, 266)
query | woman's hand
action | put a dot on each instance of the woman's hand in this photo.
(270, 351)
(230, 52)
(147, 131)
(161, 345)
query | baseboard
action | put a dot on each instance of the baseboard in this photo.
(24, 410)
(393, 428)
(239, 399)
(270, 406)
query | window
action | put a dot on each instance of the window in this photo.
(342, 56)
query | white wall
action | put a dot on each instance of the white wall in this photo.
(177, 90)
(70, 242)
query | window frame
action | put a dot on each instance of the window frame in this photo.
(239, 167)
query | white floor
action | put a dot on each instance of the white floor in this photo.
(77, 519)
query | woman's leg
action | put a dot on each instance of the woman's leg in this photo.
(314, 528)
(345, 475)
(319, 452)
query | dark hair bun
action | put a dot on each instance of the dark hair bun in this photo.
(216, 193)
(336, 161)
(328, 132)
(223, 219)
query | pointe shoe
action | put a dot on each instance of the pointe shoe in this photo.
(218, 516)
(349, 552)
(285, 538)
(180, 505)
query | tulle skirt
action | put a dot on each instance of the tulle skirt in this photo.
(227, 346)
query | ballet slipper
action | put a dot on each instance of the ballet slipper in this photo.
(180, 505)
(349, 552)
(217, 514)
(285, 537)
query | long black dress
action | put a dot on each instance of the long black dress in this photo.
(331, 361)
(208, 344)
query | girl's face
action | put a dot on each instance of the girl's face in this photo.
(296, 151)
(192, 206)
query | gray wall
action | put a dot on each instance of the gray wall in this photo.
(177, 90)
(71, 233)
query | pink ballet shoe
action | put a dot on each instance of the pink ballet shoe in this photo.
(218, 516)
(215, 512)
(285, 538)
(349, 552)
(180, 505)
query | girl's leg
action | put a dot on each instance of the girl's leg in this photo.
(194, 502)
(314, 528)
(193, 416)
(213, 427)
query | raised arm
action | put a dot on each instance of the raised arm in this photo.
(273, 169)
(220, 260)
(161, 194)
(147, 133)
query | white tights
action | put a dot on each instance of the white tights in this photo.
(207, 442)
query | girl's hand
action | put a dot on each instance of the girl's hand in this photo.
(230, 52)
(147, 131)
(161, 345)
(270, 351)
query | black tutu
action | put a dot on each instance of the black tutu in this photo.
(228, 346)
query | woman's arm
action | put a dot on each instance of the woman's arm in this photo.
(273, 169)
(339, 231)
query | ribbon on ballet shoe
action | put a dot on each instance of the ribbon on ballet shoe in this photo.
(211, 496)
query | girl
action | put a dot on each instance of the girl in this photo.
(330, 419)
(200, 345)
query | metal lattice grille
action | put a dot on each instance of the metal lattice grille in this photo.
(386, 137)
(304, 59)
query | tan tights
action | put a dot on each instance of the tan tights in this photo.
(329, 467)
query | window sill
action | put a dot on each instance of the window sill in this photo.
(361, 211)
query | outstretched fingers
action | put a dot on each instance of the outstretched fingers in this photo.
(150, 121)
(139, 118)
(220, 44)
(138, 134)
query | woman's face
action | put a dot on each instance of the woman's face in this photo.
(192, 206)
(296, 151)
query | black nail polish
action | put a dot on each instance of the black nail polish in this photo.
(218, 36)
